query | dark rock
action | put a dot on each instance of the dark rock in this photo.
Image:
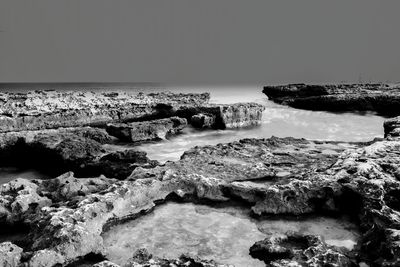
(303, 250)
(392, 127)
(118, 164)
(381, 98)
(146, 130)
(69, 149)
(143, 258)
(202, 121)
(224, 116)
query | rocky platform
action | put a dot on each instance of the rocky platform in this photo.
(57, 132)
(383, 99)
(146, 130)
(65, 217)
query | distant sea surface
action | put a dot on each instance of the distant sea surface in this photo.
(281, 121)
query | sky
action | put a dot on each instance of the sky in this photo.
(200, 42)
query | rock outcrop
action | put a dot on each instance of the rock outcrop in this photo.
(298, 250)
(223, 116)
(380, 98)
(56, 132)
(275, 177)
(146, 130)
(143, 258)
(55, 151)
(50, 109)
(392, 127)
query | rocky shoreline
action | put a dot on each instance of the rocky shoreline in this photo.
(63, 219)
(384, 99)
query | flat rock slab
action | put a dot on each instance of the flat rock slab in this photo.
(146, 130)
(383, 99)
(52, 109)
(223, 116)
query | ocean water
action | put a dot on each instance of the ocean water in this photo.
(278, 120)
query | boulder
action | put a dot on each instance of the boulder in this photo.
(202, 121)
(223, 116)
(392, 127)
(299, 250)
(146, 130)
(10, 255)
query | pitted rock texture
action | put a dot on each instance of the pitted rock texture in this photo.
(392, 127)
(10, 254)
(142, 258)
(381, 98)
(298, 250)
(223, 116)
(202, 121)
(51, 109)
(55, 151)
(146, 130)
(275, 177)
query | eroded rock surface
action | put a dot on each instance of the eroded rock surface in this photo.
(146, 130)
(381, 98)
(392, 127)
(298, 250)
(52, 109)
(55, 151)
(277, 176)
(223, 116)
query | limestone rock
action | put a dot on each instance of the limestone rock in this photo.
(381, 98)
(143, 258)
(202, 120)
(302, 250)
(146, 130)
(392, 127)
(51, 109)
(10, 255)
(224, 116)
(69, 149)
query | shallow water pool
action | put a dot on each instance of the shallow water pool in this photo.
(222, 234)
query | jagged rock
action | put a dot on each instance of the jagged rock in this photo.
(146, 130)
(10, 254)
(142, 258)
(276, 176)
(392, 127)
(381, 98)
(45, 258)
(225, 116)
(118, 164)
(19, 197)
(106, 264)
(51, 109)
(69, 149)
(302, 250)
(202, 121)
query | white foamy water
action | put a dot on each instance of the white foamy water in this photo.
(222, 234)
(278, 120)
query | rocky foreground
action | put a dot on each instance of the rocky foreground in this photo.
(62, 220)
(383, 99)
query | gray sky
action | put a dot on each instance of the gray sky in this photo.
(201, 41)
